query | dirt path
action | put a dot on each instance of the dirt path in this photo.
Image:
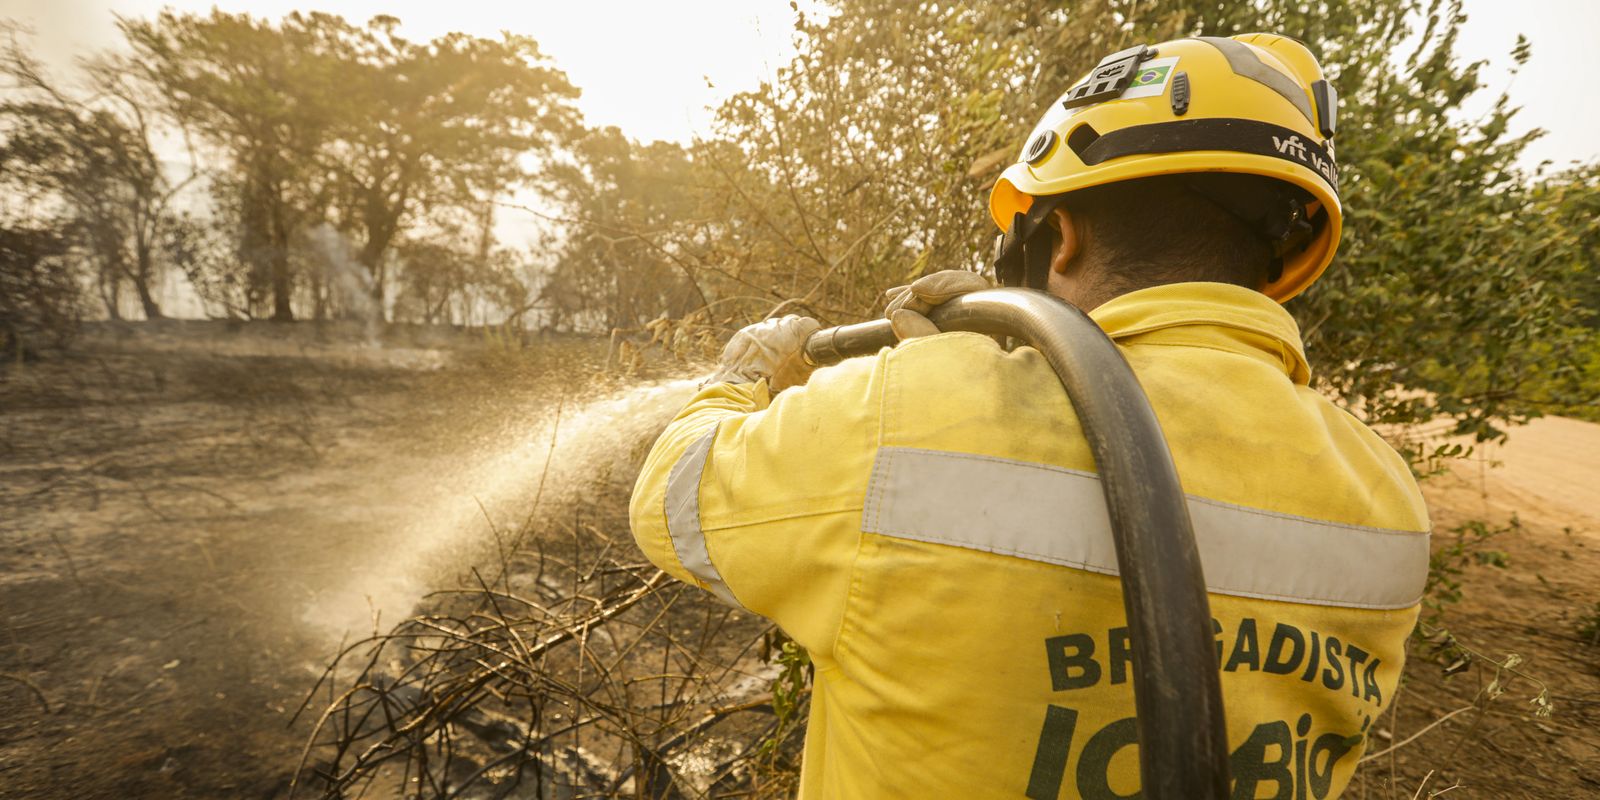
(1551, 467)
(1533, 605)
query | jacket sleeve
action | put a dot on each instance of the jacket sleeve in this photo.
(648, 512)
(758, 499)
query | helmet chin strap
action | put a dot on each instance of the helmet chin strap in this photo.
(1037, 253)
(1022, 254)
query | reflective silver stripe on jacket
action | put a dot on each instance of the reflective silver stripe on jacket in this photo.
(683, 516)
(1057, 515)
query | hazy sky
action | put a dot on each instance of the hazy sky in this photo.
(653, 68)
(643, 65)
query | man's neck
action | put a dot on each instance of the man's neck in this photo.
(1087, 295)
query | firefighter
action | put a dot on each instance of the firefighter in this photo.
(927, 522)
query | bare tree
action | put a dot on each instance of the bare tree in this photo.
(94, 159)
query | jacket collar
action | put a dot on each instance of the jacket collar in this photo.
(1215, 315)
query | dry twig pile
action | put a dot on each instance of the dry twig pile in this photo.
(573, 671)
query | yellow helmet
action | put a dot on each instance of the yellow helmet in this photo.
(1255, 104)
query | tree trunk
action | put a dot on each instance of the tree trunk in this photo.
(110, 293)
(430, 310)
(319, 296)
(148, 301)
(485, 230)
(140, 278)
(264, 244)
(282, 286)
(380, 278)
(144, 266)
(282, 311)
(378, 239)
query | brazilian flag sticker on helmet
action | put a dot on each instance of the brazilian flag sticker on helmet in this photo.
(1151, 79)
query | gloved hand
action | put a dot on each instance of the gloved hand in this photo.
(908, 305)
(769, 349)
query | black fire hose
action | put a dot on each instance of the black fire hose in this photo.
(1183, 750)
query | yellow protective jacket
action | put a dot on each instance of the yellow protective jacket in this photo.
(928, 524)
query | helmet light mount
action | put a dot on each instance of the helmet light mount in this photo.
(1110, 78)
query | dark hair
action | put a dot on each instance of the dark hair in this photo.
(1150, 231)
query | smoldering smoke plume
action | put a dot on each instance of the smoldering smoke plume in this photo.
(349, 279)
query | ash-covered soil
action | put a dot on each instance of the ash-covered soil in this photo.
(196, 514)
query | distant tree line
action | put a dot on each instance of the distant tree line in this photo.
(1464, 280)
(344, 170)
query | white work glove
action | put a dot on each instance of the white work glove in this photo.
(770, 349)
(909, 305)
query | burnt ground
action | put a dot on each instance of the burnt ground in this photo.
(193, 516)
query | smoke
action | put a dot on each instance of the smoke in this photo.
(347, 277)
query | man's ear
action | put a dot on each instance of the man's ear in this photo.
(1067, 244)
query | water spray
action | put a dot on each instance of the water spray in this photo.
(490, 490)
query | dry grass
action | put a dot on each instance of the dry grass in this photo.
(570, 670)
